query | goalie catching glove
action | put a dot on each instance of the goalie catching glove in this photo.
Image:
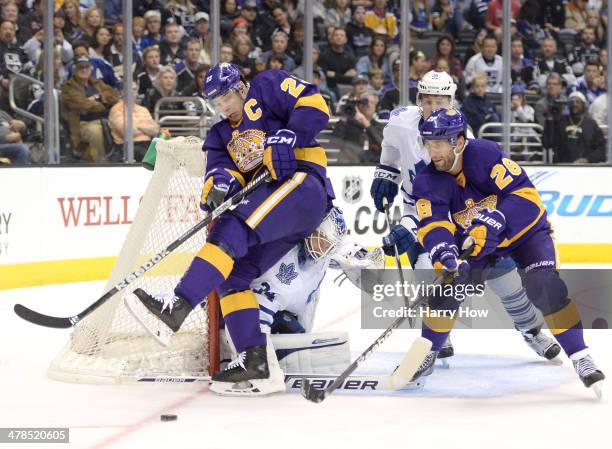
(485, 232)
(279, 156)
(220, 184)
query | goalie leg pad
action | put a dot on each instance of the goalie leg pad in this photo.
(315, 353)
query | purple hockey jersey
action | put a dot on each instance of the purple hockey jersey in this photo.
(276, 100)
(446, 204)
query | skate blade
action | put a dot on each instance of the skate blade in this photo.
(255, 387)
(153, 325)
(597, 388)
(444, 364)
(558, 361)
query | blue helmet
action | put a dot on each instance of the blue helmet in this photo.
(443, 124)
(221, 78)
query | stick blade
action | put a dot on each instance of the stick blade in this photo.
(410, 363)
(311, 393)
(40, 319)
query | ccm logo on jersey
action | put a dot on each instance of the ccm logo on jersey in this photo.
(295, 382)
(488, 220)
(272, 140)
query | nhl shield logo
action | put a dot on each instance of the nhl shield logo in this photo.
(351, 189)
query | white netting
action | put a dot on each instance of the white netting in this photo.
(109, 345)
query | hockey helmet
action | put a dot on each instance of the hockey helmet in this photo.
(220, 79)
(436, 83)
(443, 124)
(327, 236)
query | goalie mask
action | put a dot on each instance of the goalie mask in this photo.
(327, 236)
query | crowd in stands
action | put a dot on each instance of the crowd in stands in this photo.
(559, 65)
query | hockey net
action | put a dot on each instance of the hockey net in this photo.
(109, 346)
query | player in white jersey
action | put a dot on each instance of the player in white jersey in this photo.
(403, 155)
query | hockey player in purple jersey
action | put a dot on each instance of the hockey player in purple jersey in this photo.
(471, 193)
(271, 123)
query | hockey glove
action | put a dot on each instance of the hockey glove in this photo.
(402, 238)
(445, 260)
(486, 230)
(219, 185)
(279, 156)
(385, 185)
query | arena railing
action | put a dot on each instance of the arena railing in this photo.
(525, 141)
(195, 121)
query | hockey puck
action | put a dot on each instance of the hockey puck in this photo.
(168, 417)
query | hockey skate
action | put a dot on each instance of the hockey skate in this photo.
(426, 367)
(542, 344)
(586, 369)
(161, 315)
(255, 372)
(446, 351)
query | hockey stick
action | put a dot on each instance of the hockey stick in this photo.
(397, 255)
(316, 395)
(64, 323)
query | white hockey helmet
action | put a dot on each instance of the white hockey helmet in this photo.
(327, 236)
(437, 83)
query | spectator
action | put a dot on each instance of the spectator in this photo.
(360, 132)
(523, 69)
(116, 53)
(72, 22)
(603, 59)
(102, 70)
(575, 15)
(551, 16)
(447, 17)
(359, 36)
(591, 85)
(521, 111)
(141, 7)
(417, 68)
(477, 108)
(11, 143)
(296, 42)
(548, 61)
(195, 90)
(33, 18)
(153, 35)
(445, 48)
(113, 11)
(138, 29)
(326, 94)
(202, 34)
(60, 75)
(187, 67)
(265, 24)
(229, 12)
(100, 45)
(594, 21)
(242, 49)
(226, 53)
(92, 20)
(85, 101)
(477, 12)
(339, 15)
(338, 62)
(488, 62)
(281, 17)
(421, 20)
(376, 59)
(33, 47)
(376, 80)
(442, 65)
(581, 139)
(476, 46)
(299, 72)
(170, 49)
(145, 128)
(585, 52)
(360, 85)
(164, 86)
(279, 49)
(12, 59)
(391, 97)
(275, 62)
(382, 21)
(240, 27)
(146, 78)
(550, 107)
(182, 13)
(495, 14)
(10, 12)
(599, 112)
(249, 13)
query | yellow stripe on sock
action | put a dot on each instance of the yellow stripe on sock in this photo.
(217, 258)
(563, 319)
(238, 301)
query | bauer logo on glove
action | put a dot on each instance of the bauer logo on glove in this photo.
(486, 230)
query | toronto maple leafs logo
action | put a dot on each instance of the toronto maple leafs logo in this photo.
(286, 273)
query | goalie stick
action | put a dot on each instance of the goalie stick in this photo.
(64, 323)
(409, 364)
